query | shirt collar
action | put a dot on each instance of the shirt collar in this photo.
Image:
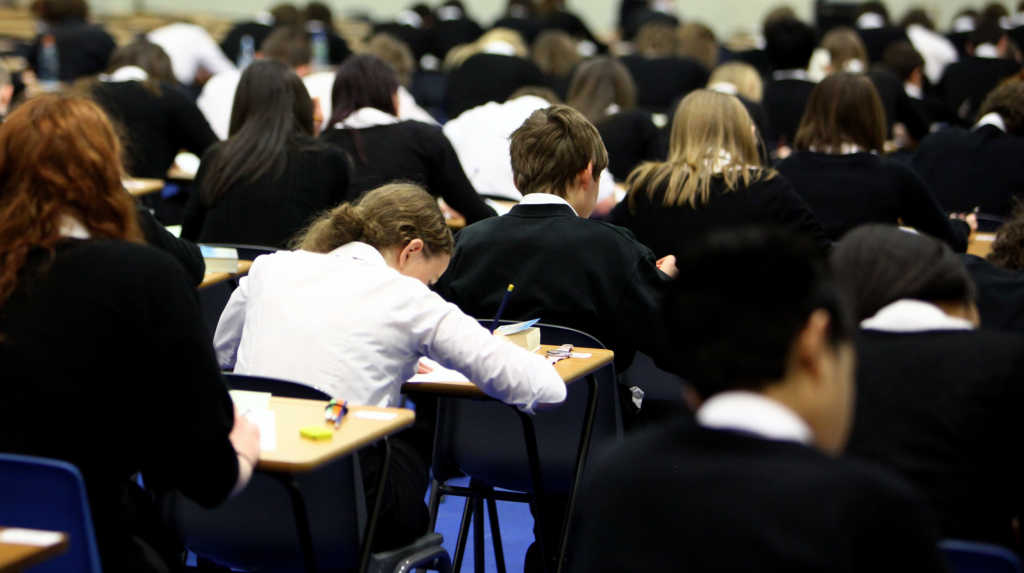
(126, 74)
(871, 21)
(72, 228)
(988, 51)
(360, 251)
(913, 91)
(993, 119)
(367, 117)
(546, 199)
(791, 75)
(913, 316)
(755, 414)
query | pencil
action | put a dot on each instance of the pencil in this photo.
(501, 307)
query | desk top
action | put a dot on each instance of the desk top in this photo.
(569, 369)
(213, 278)
(139, 187)
(361, 426)
(980, 244)
(18, 556)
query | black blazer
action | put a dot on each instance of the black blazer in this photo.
(968, 169)
(231, 45)
(784, 102)
(571, 271)
(82, 49)
(484, 78)
(158, 122)
(271, 210)
(845, 191)
(662, 81)
(409, 151)
(685, 498)
(1000, 296)
(943, 408)
(669, 230)
(631, 138)
(966, 83)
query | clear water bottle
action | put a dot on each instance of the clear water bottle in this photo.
(319, 46)
(49, 64)
(246, 52)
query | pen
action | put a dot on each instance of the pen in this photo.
(501, 307)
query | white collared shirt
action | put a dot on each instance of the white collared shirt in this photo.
(909, 315)
(936, 50)
(189, 48)
(348, 324)
(993, 119)
(754, 413)
(546, 199)
(217, 99)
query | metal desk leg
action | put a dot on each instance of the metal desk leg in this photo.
(301, 520)
(532, 455)
(581, 462)
(371, 527)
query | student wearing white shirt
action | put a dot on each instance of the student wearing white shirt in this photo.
(194, 54)
(350, 313)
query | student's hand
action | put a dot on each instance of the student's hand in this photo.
(667, 265)
(604, 206)
(318, 116)
(245, 437)
(422, 368)
(970, 218)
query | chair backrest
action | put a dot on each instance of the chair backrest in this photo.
(41, 493)
(974, 557)
(256, 530)
(484, 439)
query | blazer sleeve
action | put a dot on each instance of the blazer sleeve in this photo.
(794, 213)
(639, 309)
(189, 449)
(922, 211)
(447, 178)
(184, 251)
(193, 131)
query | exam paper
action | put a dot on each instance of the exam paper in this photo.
(438, 374)
(245, 400)
(266, 421)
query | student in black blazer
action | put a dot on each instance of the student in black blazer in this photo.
(979, 167)
(753, 482)
(567, 269)
(937, 400)
(83, 49)
(966, 83)
(713, 178)
(603, 91)
(1000, 277)
(384, 149)
(271, 177)
(837, 168)
(661, 76)
(789, 44)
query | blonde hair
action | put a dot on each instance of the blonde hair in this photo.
(388, 216)
(459, 54)
(697, 42)
(712, 135)
(844, 45)
(742, 76)
(656, 40)
(395, 53)
(554, 52)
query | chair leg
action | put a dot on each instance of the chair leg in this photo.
(460, 542)
(435, 501)
(478, 535)
(499, 552)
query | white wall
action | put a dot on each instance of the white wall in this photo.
(724, 16)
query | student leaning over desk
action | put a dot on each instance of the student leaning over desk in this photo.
(350, 313)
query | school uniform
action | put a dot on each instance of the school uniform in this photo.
(272, 209)
(966, 83)
(973, 168)
(105, 311)
(159, 120)
(785, 97)
(848, 190)
(876, 40)
(190, 49)
(1000, 295)
(661, 81)
(487, 77)
(82, 49)
(742, 489)
(936, 50)
(454, 32)
(939, 402)
(631, 138)
(670, 230)
(898, 106)
(385, 150)
(231, 45)
(184, 251)
(348, 324)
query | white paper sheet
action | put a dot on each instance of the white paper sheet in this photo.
(34, 537)
(266, 421)
(438, 374)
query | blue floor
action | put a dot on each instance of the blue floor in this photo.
(516, 532)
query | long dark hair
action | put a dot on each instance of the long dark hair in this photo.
(843, 108)
(272, 109)
(363, 81)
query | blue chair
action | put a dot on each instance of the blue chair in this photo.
(490, 442)
(330, 532)
(974, 557)
(41, 493)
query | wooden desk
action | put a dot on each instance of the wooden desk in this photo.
(17, 557)
(569, 369)
(139, 187)
(295, 454)
(980, 244)
(213, 278)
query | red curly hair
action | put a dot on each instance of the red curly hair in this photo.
(59, 155)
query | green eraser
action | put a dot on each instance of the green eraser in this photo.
(316, 433)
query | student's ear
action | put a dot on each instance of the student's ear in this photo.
(411, 248)
(585, 177)
(812, 347)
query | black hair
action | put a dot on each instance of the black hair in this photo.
(271, 110)
(917, 16)
(987, 32)
(789, 44)
(319, 12)
(876, 265)
(902, 59)
(741, 299)
(363, 81)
